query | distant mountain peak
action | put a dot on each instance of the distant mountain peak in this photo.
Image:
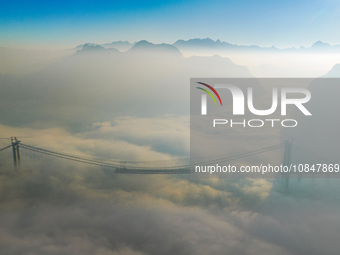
(201, 43)
(121, 42)
(119, 45)
(319, 44)
(86, 45)
(143, 43)
(93, 48)
(146, 46)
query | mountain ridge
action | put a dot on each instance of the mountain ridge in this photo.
(209, 44)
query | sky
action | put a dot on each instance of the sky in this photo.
(66, 24)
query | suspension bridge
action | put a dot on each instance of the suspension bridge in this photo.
(183, 166)
(160, 166)
(141, 167)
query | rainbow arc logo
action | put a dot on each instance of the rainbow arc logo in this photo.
(204, 97)
(209, 93)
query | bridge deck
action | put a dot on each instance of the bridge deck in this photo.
(153, 171)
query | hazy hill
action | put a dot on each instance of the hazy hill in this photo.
(84, 88)
(334, 72)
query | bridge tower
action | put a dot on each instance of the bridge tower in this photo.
(287, 162)
(16, 152)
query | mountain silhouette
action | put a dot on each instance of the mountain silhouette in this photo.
(201, 44)
(93, 48)
(209, 44)
(320, 44)
(119, 45)
(334, 72)
(148, 47)
(197, 42)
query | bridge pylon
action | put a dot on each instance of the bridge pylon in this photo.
(16, 152)
(287, 162)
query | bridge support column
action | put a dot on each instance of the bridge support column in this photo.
(14, 155)
(16, 152)
(287, 162)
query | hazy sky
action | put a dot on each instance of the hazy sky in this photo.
(63, 23)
